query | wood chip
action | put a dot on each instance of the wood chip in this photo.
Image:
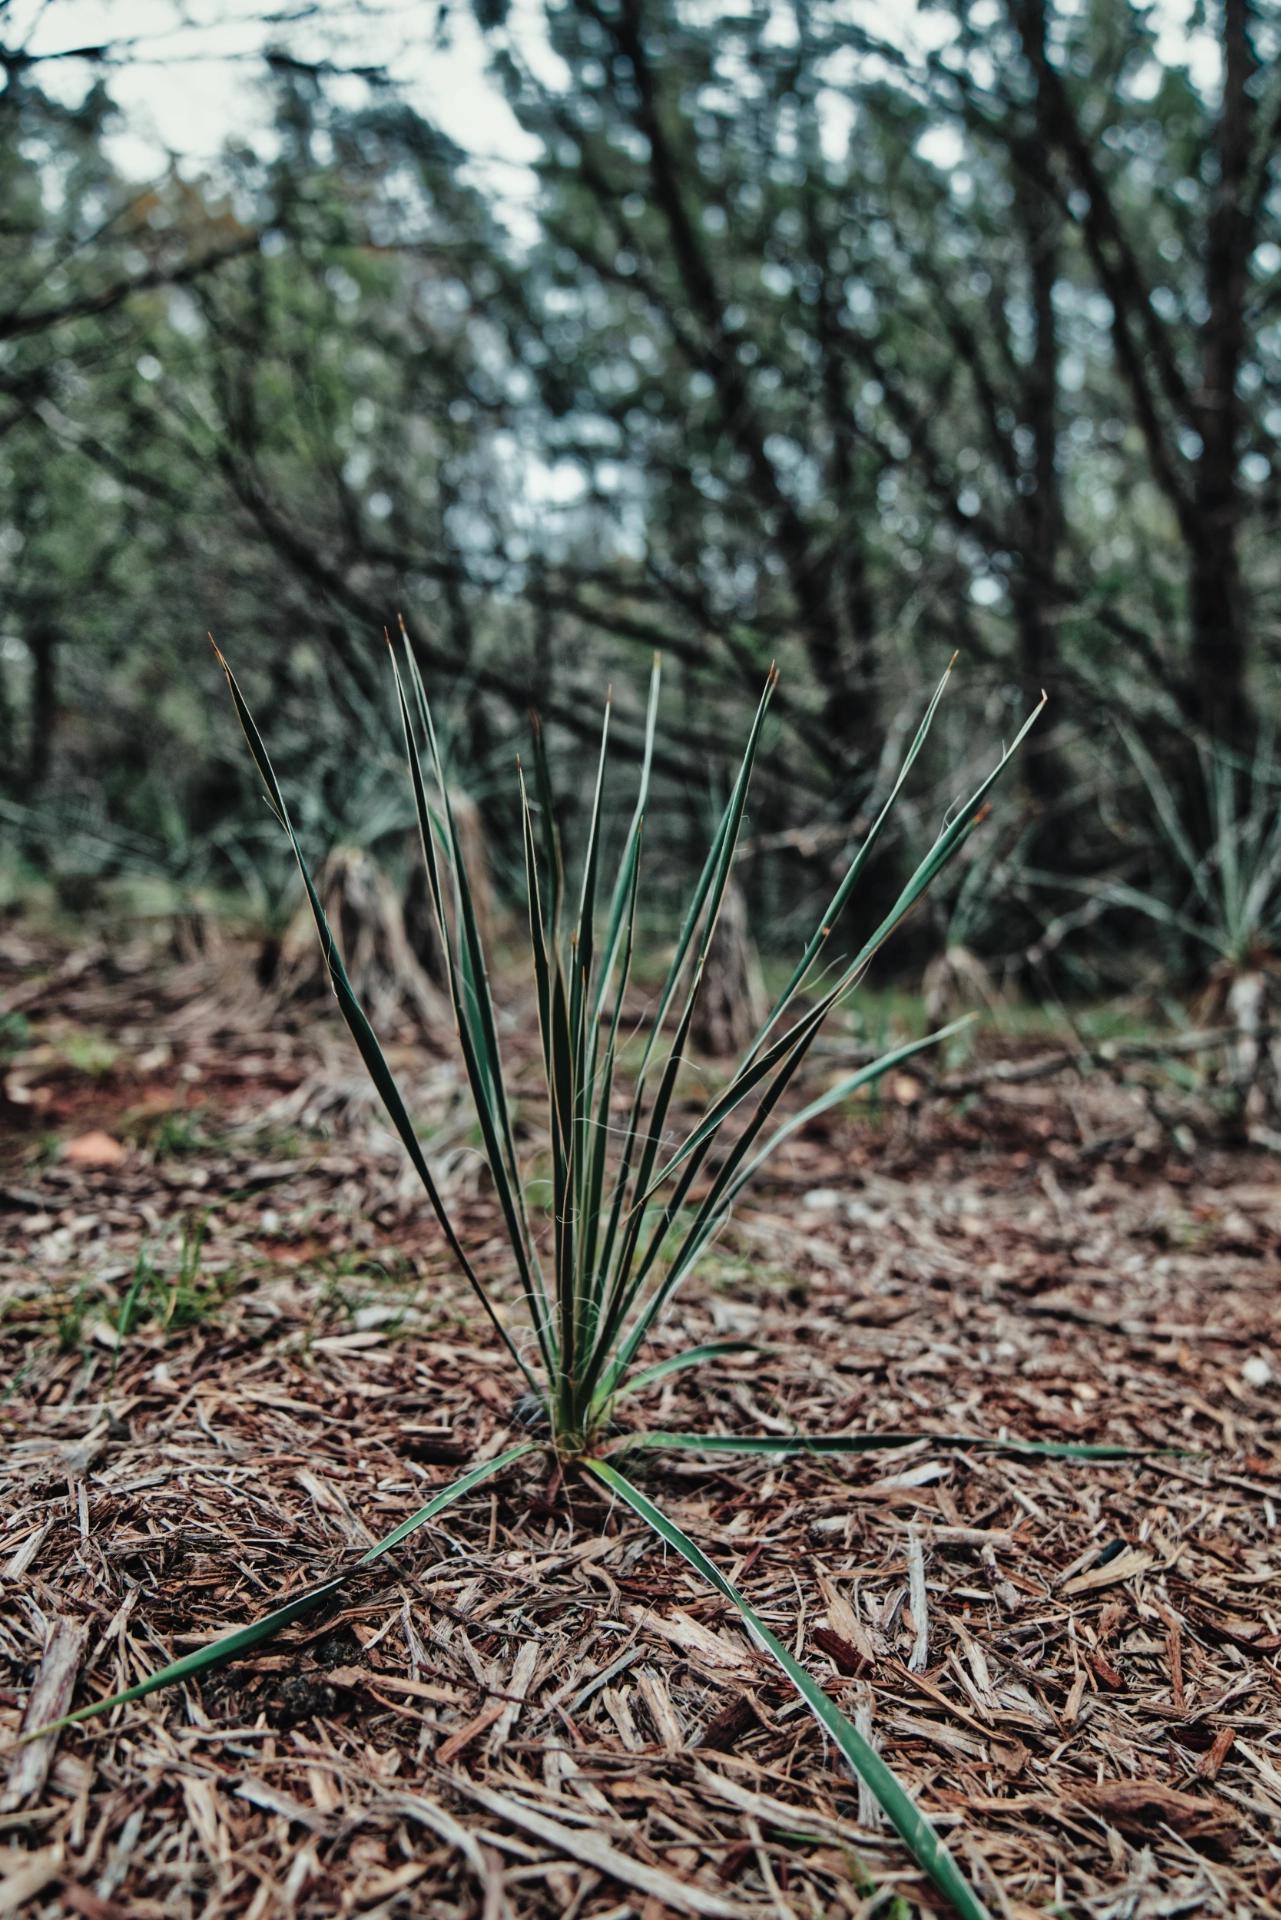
(24, 1879)
(584, 1845)
(49, 1699)
(1124, 1566)
(1134, 1804)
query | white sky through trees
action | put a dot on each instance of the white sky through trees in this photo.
(188, 78)
(186, 73)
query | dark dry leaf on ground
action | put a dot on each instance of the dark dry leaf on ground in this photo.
(534, 1710)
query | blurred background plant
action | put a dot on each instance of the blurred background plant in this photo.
(1212, 890)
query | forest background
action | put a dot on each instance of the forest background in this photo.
(842, 336)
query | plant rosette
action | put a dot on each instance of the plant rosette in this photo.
(633, 1206)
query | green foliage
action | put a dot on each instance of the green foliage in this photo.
(87, 1052)
(625, 1230)
(71, 1320)
(176, 1298)
(178, 1135)
(1219, 887)
(15, 1031)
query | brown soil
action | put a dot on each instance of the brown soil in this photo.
(535, 1710)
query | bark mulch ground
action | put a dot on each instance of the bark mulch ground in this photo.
(535, 1710)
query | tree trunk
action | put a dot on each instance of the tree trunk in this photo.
(1041, 220)
(1220, 626)
(782, 523)
(365, 915)
(42, 644)
(1217, 600)
(730, 1005)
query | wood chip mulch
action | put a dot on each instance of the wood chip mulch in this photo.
(534, 1709)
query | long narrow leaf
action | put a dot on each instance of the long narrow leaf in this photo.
(537, 925)
(844, 1443)
(709, 894)
(583, 1037)
(945, 847)
(675, 1362)
(715, 865)
(783, 1060)
(593, 1269)
(551, 837)
(948, 842)
(922, 1842)
(745, 1082)
(483, 1071)
(585, 938)
(836, 905)
(472, 1478)
(562, 1099)
(736, 1170)
(836, 1096)
(241, 1639)
(618, 901)
(358, 1024)
(475, 970)
(711, 1208)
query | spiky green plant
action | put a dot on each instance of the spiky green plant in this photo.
(1220, 889)
(632, 1207)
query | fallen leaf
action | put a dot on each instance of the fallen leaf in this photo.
(96, 1149)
